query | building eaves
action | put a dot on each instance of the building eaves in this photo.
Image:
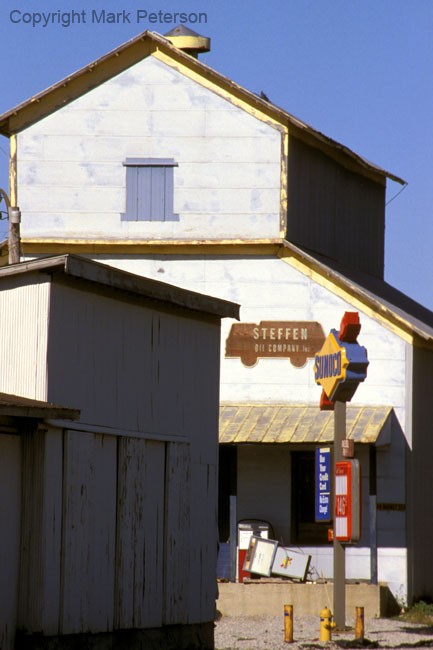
(81, 268)
(387, 301)
(136, 49)
(23, 407)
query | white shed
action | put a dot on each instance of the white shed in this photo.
(108, 513)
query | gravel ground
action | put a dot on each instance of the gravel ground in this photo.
(267, 633)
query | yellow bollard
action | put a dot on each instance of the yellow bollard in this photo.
(288, 623)
(326, 624)
(359, 622)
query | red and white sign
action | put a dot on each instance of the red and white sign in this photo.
(347, 525)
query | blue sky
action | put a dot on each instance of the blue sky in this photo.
(360, 71)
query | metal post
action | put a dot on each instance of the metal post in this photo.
(14, 214)
(233, 539)
(288, 623)
(339, 551)
(373, 516)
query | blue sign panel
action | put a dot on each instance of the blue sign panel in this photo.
(323, 484)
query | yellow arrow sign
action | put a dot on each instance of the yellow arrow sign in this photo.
(330, 365)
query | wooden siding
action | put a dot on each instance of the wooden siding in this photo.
(118, 533)
(134, 364)
(178, 569)
(10, 498)
(227, 182)
(140, 533)
(335, 212)
(420, 495)
(41, 534)
(24, 325)
(88, 539)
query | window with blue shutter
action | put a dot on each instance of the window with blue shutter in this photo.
(149, 189)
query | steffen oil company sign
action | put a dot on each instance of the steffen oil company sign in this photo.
(294, 340)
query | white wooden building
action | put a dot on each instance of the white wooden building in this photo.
(153, 162)
(107, 510)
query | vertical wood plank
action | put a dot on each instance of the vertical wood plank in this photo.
(89, 502)
(178, 535)
(30, 603)
(140, 529)
(41, 531)
(10, 508)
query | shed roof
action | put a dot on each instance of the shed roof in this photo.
(285, 423)
(16, 406)
(138, 48)
(81, 268)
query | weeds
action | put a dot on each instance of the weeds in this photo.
(421, 612)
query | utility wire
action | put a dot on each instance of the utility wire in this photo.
(395, 195)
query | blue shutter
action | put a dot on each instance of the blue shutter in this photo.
(149, 189)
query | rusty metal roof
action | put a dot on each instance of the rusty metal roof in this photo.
(285, 423)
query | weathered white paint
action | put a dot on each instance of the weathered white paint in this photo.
(118, 523)
(10, 500)
(178, 569)
(133, 361)
(41, 535)
(140, 534)
(268, 289)
(24, 325)
(154, 111)
(88, 540)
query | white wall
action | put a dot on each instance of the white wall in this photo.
(269, 289)
(72, 182)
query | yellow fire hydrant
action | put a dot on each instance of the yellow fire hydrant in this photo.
(326, 624)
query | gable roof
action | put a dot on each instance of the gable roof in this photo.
(92, 75)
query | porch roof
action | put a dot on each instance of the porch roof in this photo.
(286, 423)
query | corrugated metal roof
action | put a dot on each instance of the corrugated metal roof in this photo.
(283, 423)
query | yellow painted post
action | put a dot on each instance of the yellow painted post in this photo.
(288, 623)
(359, 622)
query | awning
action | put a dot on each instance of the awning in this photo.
(283, 423)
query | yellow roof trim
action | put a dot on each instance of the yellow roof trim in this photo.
(354, 295)
(287, 252)
(286, 423)
(136, 49)
(152, 246)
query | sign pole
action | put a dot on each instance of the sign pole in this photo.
(339, 551)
